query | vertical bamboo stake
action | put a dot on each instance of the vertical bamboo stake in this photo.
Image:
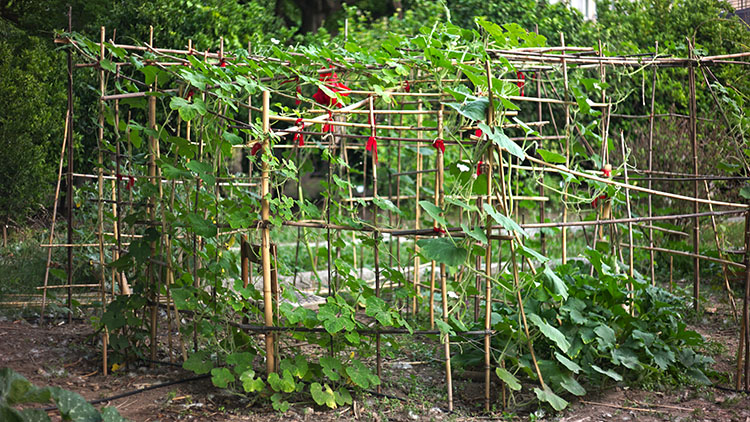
(418, 216)
(567, 153)
(725, 270)
(69, 188)
(376, 235)
(54, 216)
(435, 225)
(152, 145)
(627, 202)
(744, 334)
(488, 253)
(696, 220)
(265, 212)
(100, 203)
(443, 278)
(651, 166)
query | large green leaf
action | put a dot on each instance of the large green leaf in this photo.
(551, 157)
(443, 250)
(434, 211)
(509, 379)
(16, 389)
(560, 288)
(361, 375)
(323, 395)
(502, 140)
(610, 373)
(507, 223)
(221, 377)
(553, 399)
(550, 332)
(73, 407)
(473, 109)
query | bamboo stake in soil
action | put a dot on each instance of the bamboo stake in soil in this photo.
(152, 146)
(376, 235)
(651, 166)
(69, 190)
(696, 221)
(440, 193)
(54, 216)
(488, 252)
(100, 205)
(265, 211)
(744, 342)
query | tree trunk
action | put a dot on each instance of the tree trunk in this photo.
(314, 13)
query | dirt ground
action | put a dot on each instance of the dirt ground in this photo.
(67, 356)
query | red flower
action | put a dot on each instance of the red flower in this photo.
(606, 172)
(331, 80)
(407, 86)
(478, 133)
(298, 136)
(479, 167)
(522, 82)
(438, 230)
(595, 202)
(190, 94)
(372, 145)
(439, 145)
(327, 127)
(222, 63)
(256, 148)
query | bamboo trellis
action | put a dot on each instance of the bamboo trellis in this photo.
(346, 134)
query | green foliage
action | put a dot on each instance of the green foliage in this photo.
(31, 123)
(16, 390)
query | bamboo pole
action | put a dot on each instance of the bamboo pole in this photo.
(488, 251)
(265, 211)
(69, 187)
(627, 203)
(54, 215)
(152, 279)
(744, 342)
(100, 205)
(376, 236)
(634, 187)
(417, 219)
(564, 232)
(651, 167)
(696, 221)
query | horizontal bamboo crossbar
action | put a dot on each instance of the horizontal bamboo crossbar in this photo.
(634, 187)
(683, 253)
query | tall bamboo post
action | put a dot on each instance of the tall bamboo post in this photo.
(152, 146)
(54, 216)
(651, 165)
(376, 235)
(627, 203)
(696, 220)
(100, 202)
(744, 342)
(418, 215)
(440, 192)
(488, 252)
(69, 178)
(265, 214)
(567, 151)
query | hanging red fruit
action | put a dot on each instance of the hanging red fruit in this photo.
(521, 82)
(331, 81)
